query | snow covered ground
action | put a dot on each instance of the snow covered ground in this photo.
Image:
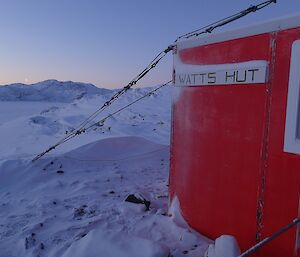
(28, 127)
(71, 203)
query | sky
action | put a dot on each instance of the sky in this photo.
(106, 42)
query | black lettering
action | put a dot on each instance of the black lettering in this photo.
(202, 77)
(182, 79)
(241, 79)
(230, 76)
(194, 78)
(188, 79)
(253, 73)
(212, 77)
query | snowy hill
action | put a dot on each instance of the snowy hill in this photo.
(71, 202)
(37, 125)
(73, 205)
(50, 91)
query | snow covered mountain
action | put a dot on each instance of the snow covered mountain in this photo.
(38, 124)
(72, 202)
(49, 91)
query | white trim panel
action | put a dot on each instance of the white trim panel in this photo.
(291, 140)
(252, 72)
(282, 23)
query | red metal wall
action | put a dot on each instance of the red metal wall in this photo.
(227, 147)
(283, 169)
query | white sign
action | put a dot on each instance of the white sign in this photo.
(253, 72)
(292, 128)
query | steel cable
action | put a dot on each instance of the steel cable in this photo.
(81, 128)
(99, 122)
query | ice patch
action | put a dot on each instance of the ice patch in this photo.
(175, 212)
(224, 246)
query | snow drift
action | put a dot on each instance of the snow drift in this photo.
(35, 125)
(116, 148)
(71, 202)
(65, 206)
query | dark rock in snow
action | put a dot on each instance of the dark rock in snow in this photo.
(138, 200)
(30, 241)
(79, 212)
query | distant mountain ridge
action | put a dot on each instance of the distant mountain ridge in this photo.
(50, 91)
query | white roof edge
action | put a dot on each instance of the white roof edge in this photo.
(282, 23)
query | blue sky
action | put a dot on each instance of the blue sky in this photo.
(105, 42)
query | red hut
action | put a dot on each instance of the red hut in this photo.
(235, 154)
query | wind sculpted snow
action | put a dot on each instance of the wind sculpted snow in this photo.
(71, 203)
(27, 128)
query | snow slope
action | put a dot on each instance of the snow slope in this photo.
(71, 203)
(27, 128)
